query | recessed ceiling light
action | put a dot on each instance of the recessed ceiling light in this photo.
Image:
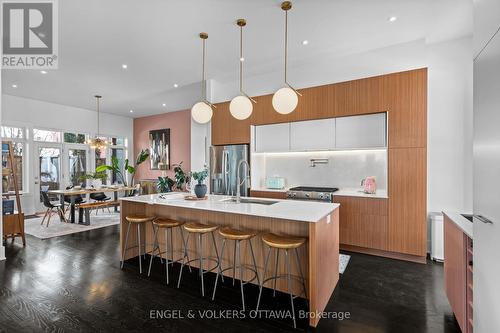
(131, 111)
(242, 59)
(176, 85)
(43, 72)
(392, 19)
(124, 66)
(305, 42)
(14, 86)
(164, 105)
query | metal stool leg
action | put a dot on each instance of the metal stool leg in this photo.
(254, 262)
(166, 254)
(184, 242)
(125, 246)
(200, 253)
(300, 272)
(183, 262)
(234, 261)
(220, 267)
(276, 270)
(241, 272)
(217, 254)
(155, 245)
(139, 240)
(263, 278)
(290, 286)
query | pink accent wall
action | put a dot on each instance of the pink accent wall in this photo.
(179, 123)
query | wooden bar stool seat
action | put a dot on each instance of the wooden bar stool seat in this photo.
(168, 225)
(237, 236)
(283, 243)
(197, 227)
(200, 229)
(138, 220)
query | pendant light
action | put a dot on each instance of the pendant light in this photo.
(202, 111)
(241, 106)
(97, 142)
(285, 100)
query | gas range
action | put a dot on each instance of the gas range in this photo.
(311, 193)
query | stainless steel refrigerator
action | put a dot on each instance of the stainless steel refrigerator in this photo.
(224, 161)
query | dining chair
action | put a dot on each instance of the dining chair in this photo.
(52, 208)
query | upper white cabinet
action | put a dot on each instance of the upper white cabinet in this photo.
(312, 135)
(272, 138)
(365, 131)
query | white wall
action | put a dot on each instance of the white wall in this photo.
(29, 113)
(449, 104)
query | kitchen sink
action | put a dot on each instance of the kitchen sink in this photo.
(251, 201)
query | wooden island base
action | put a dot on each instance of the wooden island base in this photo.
(319, 257)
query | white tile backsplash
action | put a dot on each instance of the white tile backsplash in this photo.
(344, 169)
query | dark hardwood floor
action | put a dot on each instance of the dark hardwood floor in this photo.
(74, 284)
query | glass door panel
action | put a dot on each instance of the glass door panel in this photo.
(77, 166)
(49, 171)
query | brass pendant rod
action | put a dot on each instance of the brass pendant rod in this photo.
(241, 58)
(203, 82)
(286, 42)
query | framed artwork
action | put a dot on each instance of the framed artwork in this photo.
(159, 148)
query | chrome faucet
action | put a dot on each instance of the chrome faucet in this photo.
(239, 181)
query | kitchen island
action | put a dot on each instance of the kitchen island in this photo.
(317, 221)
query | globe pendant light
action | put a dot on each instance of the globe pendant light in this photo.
(241, 106)
(202, 111)
(97, 142)
(285, 100)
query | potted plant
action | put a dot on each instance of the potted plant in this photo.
(200, 189)
(165, 184)
(95, 179)
(115, 167)
(180, 176)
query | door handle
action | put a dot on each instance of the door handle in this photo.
(483, 219)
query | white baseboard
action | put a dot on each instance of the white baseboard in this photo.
(2, 253)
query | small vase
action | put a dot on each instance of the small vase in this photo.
(200, 190)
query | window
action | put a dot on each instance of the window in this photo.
(12, 132)
(46, 135)
(118, 141)
(75, 137)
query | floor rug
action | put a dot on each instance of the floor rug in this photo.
(343, 262)
(57, 228)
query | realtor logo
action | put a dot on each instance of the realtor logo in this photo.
(29, 34)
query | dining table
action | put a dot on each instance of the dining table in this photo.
(74, 193)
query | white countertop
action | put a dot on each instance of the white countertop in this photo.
(305, 211)
(461, 222)
(348, 192)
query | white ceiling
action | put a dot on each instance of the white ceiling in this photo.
(158, 40)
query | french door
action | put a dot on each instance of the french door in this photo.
(57, 167)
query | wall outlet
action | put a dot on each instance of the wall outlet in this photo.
(328, 219)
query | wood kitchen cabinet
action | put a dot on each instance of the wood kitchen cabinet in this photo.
(363, 222)
(458, 273)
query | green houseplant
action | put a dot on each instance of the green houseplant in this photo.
(180, 176)
(200, 189)
(165, 184)
(115, 167)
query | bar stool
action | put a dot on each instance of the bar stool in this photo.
(137, 220)
(237, 236)
(168, 225)
(200, 229)
(283, 243)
